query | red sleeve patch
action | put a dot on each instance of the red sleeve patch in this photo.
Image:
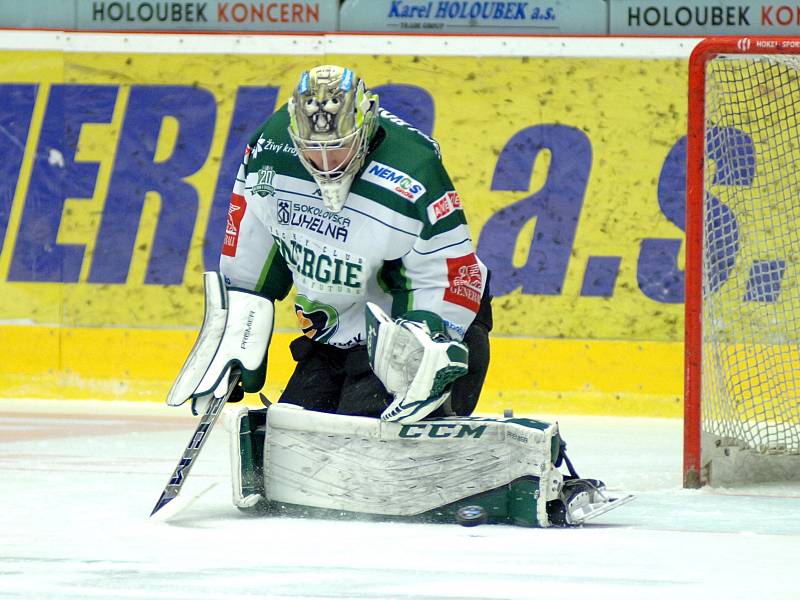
(235, 213)
(445, 205)
(465, 281)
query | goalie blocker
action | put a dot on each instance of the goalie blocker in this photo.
(236, 331)
(295, 461)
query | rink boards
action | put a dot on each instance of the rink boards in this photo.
(568, 154)
(530, 376)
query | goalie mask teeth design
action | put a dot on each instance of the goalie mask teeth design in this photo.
(332, 118)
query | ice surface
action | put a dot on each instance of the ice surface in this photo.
(78, 481)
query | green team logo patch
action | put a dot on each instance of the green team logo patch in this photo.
(318, 321)
(263, 186)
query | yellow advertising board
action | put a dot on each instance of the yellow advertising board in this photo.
(118, 168)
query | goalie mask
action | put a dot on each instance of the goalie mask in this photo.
(332, 119)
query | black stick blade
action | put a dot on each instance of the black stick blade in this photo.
(162, 502)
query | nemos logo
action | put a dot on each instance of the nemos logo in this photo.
(441, 430)
(393, 180)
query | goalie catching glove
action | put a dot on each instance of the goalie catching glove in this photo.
(418, 368)
(236, 331)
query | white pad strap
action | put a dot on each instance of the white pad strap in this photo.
(237, 328)
(413, 367)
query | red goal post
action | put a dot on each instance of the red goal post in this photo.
(742, 371)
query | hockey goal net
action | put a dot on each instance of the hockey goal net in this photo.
(742, 361)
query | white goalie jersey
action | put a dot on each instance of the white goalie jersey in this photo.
(400, 241)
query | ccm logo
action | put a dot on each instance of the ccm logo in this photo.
(441, 430)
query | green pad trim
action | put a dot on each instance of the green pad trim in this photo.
(251, 451)
(512, 504)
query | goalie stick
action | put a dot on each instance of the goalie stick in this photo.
(198, 439)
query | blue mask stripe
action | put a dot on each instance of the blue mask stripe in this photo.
(347, 80)
(303, 86)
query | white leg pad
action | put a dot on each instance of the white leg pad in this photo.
(370, 466)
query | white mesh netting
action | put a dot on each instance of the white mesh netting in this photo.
(751, 296)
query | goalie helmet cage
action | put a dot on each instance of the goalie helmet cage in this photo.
(742, 364)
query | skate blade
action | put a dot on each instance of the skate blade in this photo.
(604, 508)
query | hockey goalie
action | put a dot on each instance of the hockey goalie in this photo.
(353, 208)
